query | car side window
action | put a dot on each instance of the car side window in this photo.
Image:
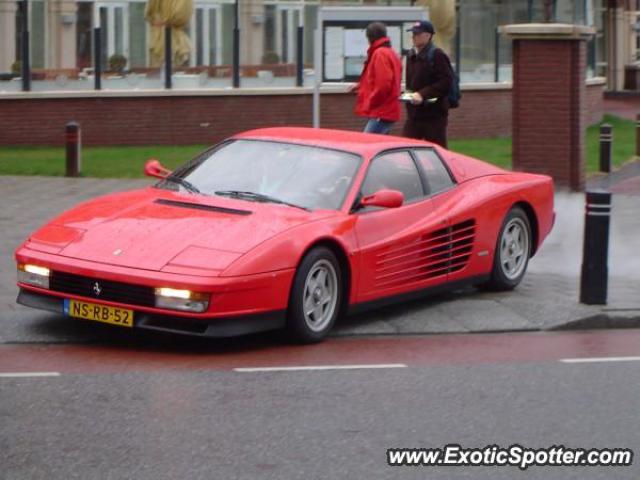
(437, 177)
(394, 171)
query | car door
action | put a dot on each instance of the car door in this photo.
(460, 241)
(399, 248)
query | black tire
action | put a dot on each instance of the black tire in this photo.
(511, 255)
(317, 284)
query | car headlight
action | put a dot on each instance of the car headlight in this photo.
(33, 275)
(184, 300)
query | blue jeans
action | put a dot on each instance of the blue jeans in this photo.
(377, 125)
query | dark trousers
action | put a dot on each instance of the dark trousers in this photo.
(433, 130)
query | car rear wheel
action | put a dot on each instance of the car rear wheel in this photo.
(316, 296)
(513, 249)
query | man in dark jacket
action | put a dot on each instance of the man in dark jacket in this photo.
(379, 85)
(429, 78)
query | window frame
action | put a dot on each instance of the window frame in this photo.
(109, 47)
(207, 8)
(423, 174)
(357, 209)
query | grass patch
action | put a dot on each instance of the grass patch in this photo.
(498, 150)
(492, 150)
(101, 162)
(128, 162)
(624, 142)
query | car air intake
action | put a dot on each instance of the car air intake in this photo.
(438, 253)
(197, 206)
(96, 289)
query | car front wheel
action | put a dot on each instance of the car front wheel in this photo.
(316, 296)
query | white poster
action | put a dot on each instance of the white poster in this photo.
(395, 36)
(407, 37)
(355, 43)
(333, 53)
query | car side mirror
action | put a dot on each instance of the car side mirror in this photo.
(153, 168)
(383, 198)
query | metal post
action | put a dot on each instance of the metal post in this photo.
(606, 142)
(458, 38)
(593, 282)
(24, 36)
(97, 58)
(638, 134)
(168, 57)
(318, 73)
(496, 73)
(236, 47)
(300, 57)
(73, 147)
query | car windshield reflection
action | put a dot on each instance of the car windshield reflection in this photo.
(283, 173)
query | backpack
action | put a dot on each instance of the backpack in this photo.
(454, 93)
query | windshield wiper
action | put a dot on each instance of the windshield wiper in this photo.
(259, 197)
(181, 181)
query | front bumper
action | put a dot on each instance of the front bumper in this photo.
(218, 327)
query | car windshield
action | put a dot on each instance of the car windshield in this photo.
(263, 171)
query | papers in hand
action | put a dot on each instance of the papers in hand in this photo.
(408, 97)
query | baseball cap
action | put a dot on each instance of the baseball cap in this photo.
(422, 26)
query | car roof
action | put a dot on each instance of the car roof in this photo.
(366, 144)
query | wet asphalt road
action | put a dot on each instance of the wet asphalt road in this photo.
(155, 407)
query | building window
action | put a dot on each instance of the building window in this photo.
(137, 35)
(37, 33)
(280, 30)
(206, 38)
(112, 20)
(84, 35)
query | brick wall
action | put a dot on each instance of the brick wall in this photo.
(550, 109)
(181, 119)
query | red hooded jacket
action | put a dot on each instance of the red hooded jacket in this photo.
(379, 86)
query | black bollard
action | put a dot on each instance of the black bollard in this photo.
(606, 142)
(638, 135)
(73, 146)
(595, 250)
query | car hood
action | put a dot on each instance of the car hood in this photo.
(152, 229)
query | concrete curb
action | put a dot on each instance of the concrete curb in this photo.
(618, 319)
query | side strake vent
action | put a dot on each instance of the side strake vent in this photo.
(197, 206)
(431, 255)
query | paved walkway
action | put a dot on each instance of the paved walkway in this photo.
(546, 299)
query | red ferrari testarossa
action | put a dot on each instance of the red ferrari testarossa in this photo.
(287, 228)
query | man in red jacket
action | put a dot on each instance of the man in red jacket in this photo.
(379, 85)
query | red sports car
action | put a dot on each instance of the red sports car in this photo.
(287, 228)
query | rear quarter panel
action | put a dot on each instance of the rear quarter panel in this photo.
(487, 200)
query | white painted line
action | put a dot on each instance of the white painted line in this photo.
(319, 367)
(28, 374)
(600, 359)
